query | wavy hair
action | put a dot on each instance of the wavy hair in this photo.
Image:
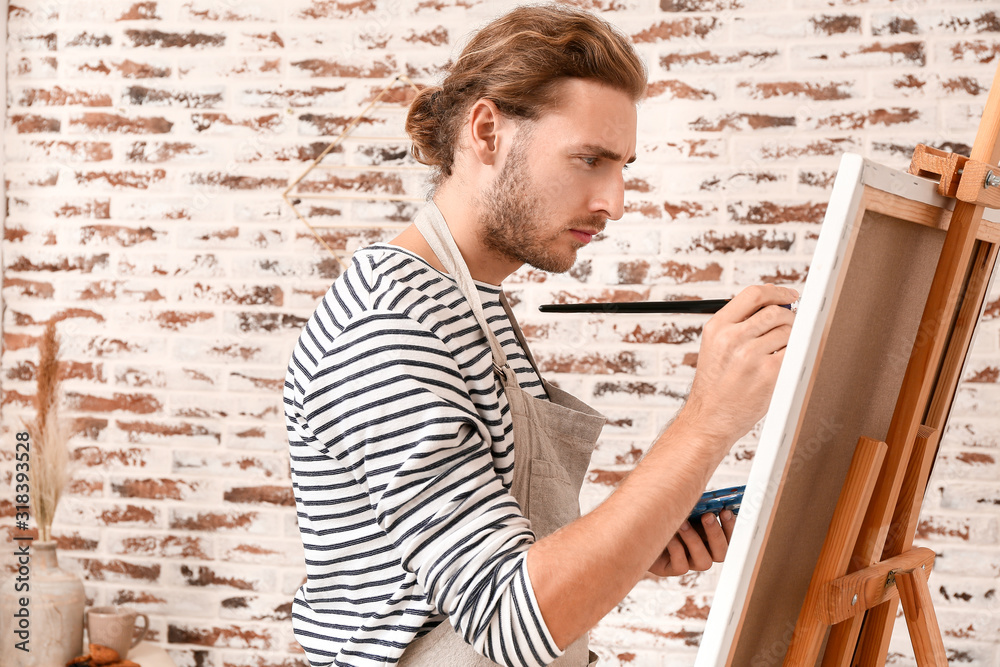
(516, 62)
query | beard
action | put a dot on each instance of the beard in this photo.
(511, 219)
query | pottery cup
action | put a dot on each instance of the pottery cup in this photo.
(115, 628)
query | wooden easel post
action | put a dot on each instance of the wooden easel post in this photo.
(865, 566)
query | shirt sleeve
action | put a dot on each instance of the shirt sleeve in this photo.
(389, 403)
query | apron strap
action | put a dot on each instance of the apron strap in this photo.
(434, 229)
(519, 334)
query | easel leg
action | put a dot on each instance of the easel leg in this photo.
(840, 645)
(873, 646)
(921, 621)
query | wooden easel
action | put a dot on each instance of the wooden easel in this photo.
(867, 562)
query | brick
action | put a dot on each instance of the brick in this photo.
(267, 437)
(94, 569)
(242, 636)
(230, 181)
(164, 601)
(57, 262)
(256, 608)
(231, 67)
(56, 96)
(112, 290)
(828, 90)
(247, 237)
(318, 67)
(720, 59)
(118, 124)
(113, 11)
(247, 323)
(90, 40)
(223, 577)
(937, 528)
(674, 89)
(34, 123)
(736, 241)
(116, 180)
(336, 9)
(580, 362)
(191, 657)
(208, 98)
(244, 465)
(907, 117)
(239, 295)
(152, 207)
(836, 24)
(767, 28)
(253, 523)
(252, 408)
(33, 177)
(705, 5)
(875, 54)
(742, 122)
(770, 213)
(163, 489)
(117, 348)
(259, 41)
(682, 28)
(968, 52)
(98, 513)
(779, 273)
(118, 235)
(30, 41)
(333, 125)
(74, 541)
(206, 10)
(134, 403)
(644, 272)
(760, 150)
(169, 40)
(60, 151)
(280, 495)
(283, 98)
(125, 68)
(32, 66)
(140, 11)
(367, 182)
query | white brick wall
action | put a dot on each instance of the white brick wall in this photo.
(147, 145)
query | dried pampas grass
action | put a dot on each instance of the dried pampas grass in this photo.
(49, 472)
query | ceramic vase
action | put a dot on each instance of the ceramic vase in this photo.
(41, 610)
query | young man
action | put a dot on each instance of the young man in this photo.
(436, 474)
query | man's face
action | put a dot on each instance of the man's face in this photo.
(562, 178)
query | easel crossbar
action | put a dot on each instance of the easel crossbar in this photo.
(857, 592)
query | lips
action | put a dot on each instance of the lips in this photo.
(584, 235)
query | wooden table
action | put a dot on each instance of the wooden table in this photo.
(148, 654)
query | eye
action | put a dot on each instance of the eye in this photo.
(589, 160)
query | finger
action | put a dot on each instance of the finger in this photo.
(728, 523)
(677, 555)
(772, 341)
(767, 319)
(699, 558)
(753, 298)
(715, 538)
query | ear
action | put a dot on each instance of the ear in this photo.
(486, 126)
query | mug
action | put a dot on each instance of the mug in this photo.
(114, 627)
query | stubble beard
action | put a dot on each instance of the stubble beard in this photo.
(510, 222)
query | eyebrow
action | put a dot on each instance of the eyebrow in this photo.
(607, 153)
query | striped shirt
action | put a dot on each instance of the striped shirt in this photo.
(402, 457)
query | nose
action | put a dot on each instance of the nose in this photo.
(609, 200)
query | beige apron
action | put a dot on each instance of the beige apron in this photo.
(553, 441)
